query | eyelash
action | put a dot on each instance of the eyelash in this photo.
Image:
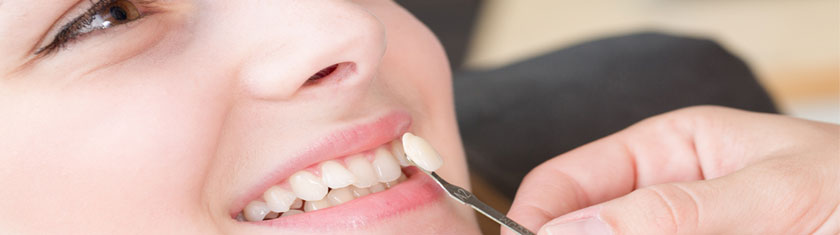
(82, 25)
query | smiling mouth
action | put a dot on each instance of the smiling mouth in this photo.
(331, 183)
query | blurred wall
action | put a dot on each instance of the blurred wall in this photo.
(792, 45)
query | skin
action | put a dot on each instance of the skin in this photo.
(701, 170)
(158, 126)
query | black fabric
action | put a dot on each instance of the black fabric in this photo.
(452, 22)
(514, 118)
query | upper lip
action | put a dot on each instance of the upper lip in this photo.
(354, 139)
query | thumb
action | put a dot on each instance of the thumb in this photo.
(660, 209)
(747, 202)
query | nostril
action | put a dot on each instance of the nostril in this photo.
(333, 73)
(323, 73)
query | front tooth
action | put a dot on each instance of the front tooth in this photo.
(272, 215)
(363, 170)
(291, 212)
(335, 175)
(378, 187)
(386, 167)
(315, 205)
(399, 152)
(256, 211)
(278, 199)
(421, 152)
(307, 186)
(359, 192)
(340, 196)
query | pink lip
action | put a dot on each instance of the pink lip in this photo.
(338, 144)
(418, 190)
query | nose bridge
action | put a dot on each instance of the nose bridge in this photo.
(285, 44)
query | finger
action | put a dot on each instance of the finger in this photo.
(769, 198)
(564, 184)
(602, 170)
(686, 145)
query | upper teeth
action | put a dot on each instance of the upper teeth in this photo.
(307, 186)
(363, 170)
(340, 181)
(278, 199)
(255, 210)
(386, 167)
(399, 152)
(335, 175)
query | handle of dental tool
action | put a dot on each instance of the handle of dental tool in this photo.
(466, 197)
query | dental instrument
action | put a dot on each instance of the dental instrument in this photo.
(421, 154)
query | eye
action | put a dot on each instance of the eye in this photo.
(119, 12)
(102, 15)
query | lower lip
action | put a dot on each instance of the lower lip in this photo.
(415, 192)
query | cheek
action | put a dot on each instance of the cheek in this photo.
(89, 154)
(414, 64)
(416, 68)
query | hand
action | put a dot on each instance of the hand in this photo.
(701, 170)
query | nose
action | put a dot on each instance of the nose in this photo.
(285, 50)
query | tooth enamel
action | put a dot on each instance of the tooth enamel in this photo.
(255, 211)
(386, 167)
(378, 187)
(297, 204)
(340, 196)
(335, 175)
(291, 212)
(421, 152)
(359, 192)
(307, 186)
(399, 153)
(358, 179)
(315, 205)
(278, 199)
(363, 170)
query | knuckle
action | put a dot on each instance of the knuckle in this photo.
(673, 207)
(685, 120)
(696, 117)
(549, 179)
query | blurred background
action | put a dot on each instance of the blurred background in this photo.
(791, 45)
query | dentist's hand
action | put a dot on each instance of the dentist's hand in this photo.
(702, 170)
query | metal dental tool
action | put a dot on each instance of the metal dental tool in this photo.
(466, 197)
(420, 153)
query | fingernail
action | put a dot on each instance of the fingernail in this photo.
(591, 225)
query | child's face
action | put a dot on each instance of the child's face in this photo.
(172, 122)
